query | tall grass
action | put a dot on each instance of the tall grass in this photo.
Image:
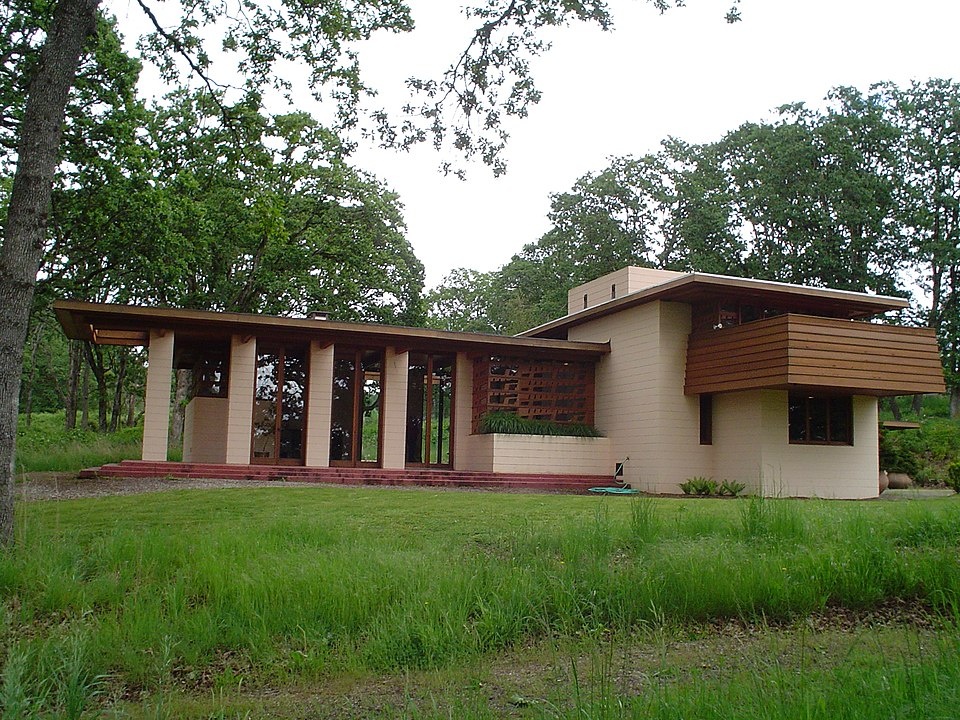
(45, 445)
(240, 587)
(868, 685)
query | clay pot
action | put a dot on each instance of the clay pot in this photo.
(884, 481)
(900, 481)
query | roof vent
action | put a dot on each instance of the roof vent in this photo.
(319, 314)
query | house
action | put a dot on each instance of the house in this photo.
(685, 374)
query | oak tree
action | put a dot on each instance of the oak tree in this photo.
(464, 109)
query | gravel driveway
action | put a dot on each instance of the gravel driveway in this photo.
(66, 486)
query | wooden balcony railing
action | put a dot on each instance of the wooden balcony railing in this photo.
(800, 351)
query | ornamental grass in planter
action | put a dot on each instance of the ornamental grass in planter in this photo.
(512, 424)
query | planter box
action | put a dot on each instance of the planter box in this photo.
(536, 454)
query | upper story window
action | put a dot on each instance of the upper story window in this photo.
(613, 291)
(820, 420)
(584, 301)
(729, 313)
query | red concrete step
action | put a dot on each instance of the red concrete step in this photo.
(425, 477)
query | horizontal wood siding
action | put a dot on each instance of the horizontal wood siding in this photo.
(805, 351)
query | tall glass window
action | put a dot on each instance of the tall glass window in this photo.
(355, 411)
(279, 404)
(429, 409)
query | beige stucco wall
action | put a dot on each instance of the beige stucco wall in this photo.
(204, 420)
(751, 445)
(737, 432)
(464, 448)
(319, 399)
(243, 364)
(628, 280)
(640, 403)
(393, 404)
(538, 454)
(156, 406)
(828, 471)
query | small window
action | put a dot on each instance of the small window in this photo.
(584, 301)
(210, 375)
(819, 420)
(613, 291)
(706, 419)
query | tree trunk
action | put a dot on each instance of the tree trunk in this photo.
(85, 398)
(97, 365)
(70, 403)
(894, 408)
(28, 213)
(184, 381)
(118, 391)
(131, 409)
(954, 403)
(917, 405)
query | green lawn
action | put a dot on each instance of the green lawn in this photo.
(268, 602)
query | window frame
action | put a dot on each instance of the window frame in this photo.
(827, 407)
(706, 419)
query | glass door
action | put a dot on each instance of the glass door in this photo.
(355, 421)
(429, 438)
(279, 405)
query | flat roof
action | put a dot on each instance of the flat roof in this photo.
(113, 324)
(704, 287)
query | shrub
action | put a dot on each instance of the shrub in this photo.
(731, 488)
(953, 476)
(700, 486)
(512, 424)
(923, 454)
(897, 454)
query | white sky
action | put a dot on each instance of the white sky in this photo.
(686, 73)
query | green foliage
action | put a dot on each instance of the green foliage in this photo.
(461, 302)
(45, 445)
(731, 488)
(870, 680)
(700, 486)
(644, 519)
(953, 476)
(512, 424)
(708, 486)
(296, 585)
(771, 518)
(908, 407)
(923, 454)
(264, 214)
(860, 195)
(897, 454)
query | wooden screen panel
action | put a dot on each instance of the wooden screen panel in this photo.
(533, 388)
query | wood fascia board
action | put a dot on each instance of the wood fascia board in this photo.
(76, 315)
(687, 288)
